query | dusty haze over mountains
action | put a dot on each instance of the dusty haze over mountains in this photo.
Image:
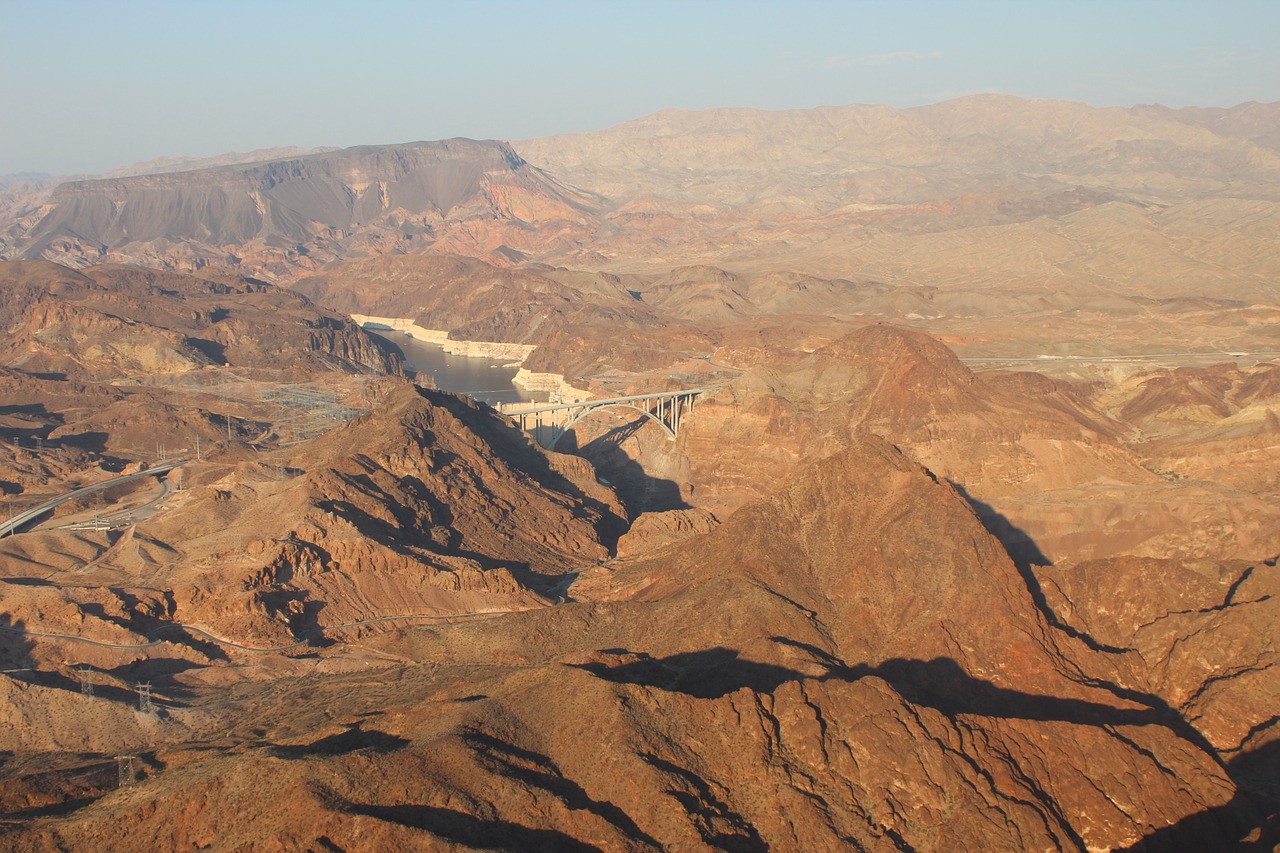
(968, 540)
(955, 214)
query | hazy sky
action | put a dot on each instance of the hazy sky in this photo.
(89, 86)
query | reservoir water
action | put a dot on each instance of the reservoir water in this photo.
(485, 379)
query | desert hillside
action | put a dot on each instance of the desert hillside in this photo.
(907, 479)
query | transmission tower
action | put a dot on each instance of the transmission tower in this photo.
(145, 705)
(86, 684)
(126, 773)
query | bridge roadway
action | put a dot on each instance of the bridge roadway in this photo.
(8, 527)
(666, 409)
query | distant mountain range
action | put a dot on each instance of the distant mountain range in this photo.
(816, 191)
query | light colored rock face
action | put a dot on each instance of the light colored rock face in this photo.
(406, 326)
(553, 384)
(466, 349)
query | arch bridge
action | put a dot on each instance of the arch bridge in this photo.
(548, 424)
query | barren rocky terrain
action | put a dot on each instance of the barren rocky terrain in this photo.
(274, 218)
(969, 543)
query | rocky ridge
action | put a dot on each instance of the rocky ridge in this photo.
(831, 704)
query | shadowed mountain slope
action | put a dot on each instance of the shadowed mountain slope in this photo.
(429, 504)
(783, 683)
(279, 216)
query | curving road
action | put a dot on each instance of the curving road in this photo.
(229, 644)
(10, 526)
(1146, 356)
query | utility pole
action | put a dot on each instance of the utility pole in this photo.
(198, 457)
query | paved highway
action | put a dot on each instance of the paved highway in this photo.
(1148, 356)
(8, 527)
(231, 645)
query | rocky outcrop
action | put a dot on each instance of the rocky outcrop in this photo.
(654, 530)
(1202, 635)
(430, 504)
(1218, 424)
(116, 323)
(1047, 469)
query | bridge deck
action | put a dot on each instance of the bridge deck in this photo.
(611, 401)
(666, 408)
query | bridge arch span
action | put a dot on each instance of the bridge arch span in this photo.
(665, 408)
(593, 409)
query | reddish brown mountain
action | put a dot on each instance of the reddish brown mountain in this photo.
(1045, 465)
(429, 505)
(783, 683)
(582, 323)
(112, 323)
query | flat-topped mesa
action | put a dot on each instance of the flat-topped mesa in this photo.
(281, 217)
